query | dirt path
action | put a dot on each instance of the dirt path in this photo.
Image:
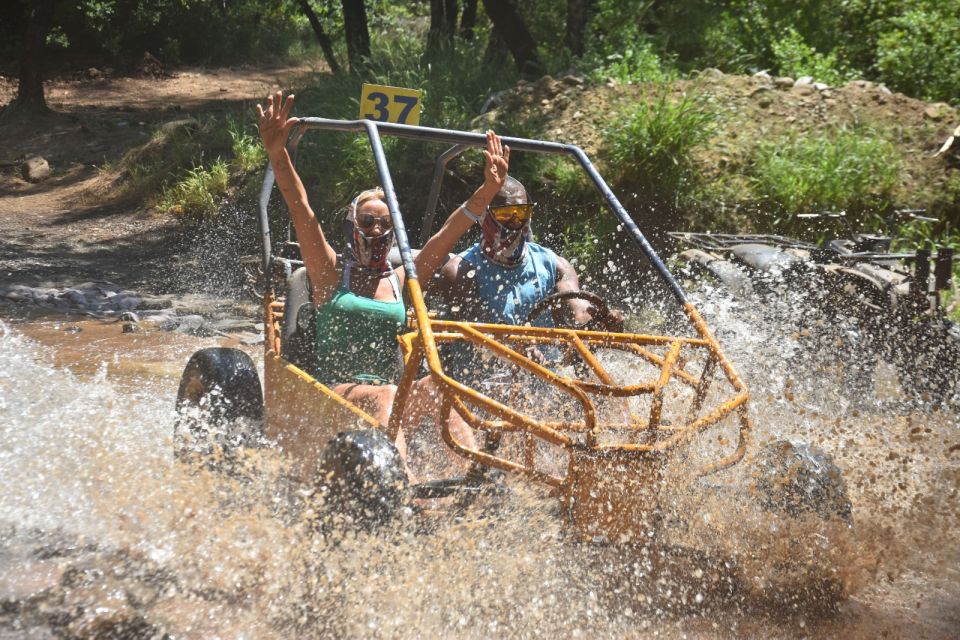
(69, 228)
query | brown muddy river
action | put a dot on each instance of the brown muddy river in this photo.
(103, 535)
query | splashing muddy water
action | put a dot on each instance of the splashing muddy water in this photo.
(103, 535)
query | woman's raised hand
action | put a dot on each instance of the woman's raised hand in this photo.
(275, 123)
(497, 157)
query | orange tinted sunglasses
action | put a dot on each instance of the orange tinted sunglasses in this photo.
(515, 215)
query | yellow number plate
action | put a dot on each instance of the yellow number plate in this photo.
(390, 104)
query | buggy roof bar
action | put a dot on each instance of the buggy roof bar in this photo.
(462, 141)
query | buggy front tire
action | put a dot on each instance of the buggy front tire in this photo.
(219, 404)
(362, 477)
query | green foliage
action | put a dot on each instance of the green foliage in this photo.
(919, 52)
(796, 58)
(846, 170)
(195, 197)
(638, 63)
(567, 181)
(617, 46)
(184, 31)
(910, 45)
(581, 245)
(649, 145)
(248, 152)
(923, 234)
(742, 37)
(455, 86)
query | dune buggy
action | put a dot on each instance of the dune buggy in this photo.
(599, 431)
(852, 301)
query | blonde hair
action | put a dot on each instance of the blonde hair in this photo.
(362, 198)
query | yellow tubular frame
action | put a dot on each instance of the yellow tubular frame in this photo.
(422, 343)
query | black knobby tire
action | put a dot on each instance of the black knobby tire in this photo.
(219, 403)
(926, 363)
(363, 479)
(797, 478)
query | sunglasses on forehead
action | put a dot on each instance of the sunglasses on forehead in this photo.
(513, 215)
(367, 220)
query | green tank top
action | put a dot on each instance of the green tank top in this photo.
(357, 336)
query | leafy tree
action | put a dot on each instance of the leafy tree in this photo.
(918, 52)
(794, 57)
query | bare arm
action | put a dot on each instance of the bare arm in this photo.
(581, 311)
(318, 256)
(567, 280)
(496, 163)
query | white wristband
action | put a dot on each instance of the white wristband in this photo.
(468, 213)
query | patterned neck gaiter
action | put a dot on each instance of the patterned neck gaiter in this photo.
(506, 247)
(367, 252)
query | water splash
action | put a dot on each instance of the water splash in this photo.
(102, 532)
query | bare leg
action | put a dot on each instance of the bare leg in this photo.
(424, 401)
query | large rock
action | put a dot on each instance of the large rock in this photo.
(35, 169)
(937, 111)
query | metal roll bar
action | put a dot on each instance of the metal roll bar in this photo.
(462, 141)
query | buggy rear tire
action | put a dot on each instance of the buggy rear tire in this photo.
(219, 404)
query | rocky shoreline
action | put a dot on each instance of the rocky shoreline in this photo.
(197, 316)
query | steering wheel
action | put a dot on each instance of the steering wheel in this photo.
(603, 319)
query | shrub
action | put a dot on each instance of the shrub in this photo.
(195, 196)
(794, 57)
(618, 47)
(248, 152)
(648, 144)
(850, 170)
(918, 52)
(638, 63)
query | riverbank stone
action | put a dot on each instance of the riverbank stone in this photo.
(192, 315)
(35, 169)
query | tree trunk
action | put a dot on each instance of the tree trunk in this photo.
(496, 54)
(30, 98)
(443, 24)
(322, 36)
(468, 20)
(578, 15)
(358, 36)
(512, 29)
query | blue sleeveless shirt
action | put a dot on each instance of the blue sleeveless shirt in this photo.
(507, 295)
